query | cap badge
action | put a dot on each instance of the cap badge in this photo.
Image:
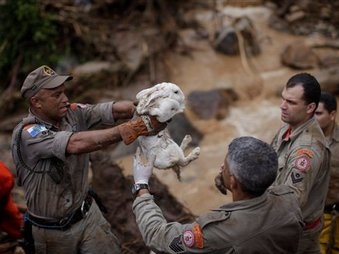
(48, 71)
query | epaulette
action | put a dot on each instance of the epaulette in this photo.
(214, 216)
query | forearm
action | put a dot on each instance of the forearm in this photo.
(150, 220)
(89, 141)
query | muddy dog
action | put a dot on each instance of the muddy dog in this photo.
(164, 100)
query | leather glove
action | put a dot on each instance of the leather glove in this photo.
(140, 126)
(142, 171)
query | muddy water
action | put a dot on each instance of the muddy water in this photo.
(257, 80)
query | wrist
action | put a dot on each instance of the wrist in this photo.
(141, 182)
(142, 191)
(139, 187)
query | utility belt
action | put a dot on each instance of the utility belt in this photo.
(332, 207)
(65, 222)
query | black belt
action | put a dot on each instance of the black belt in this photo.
(331, 208)
(67, 221)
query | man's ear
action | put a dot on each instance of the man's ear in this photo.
(35, 102)
(311, 108)
(333, 115)
(233, 183)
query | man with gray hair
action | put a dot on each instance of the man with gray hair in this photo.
(259, 220)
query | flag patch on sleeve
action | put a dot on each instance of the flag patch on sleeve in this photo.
(36, 130)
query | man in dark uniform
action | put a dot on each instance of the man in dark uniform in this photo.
(259, 220)
(51, 149)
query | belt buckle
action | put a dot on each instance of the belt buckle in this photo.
(84, 208)
(64, 221)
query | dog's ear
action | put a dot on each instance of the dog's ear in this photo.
(165, 109)
(149, 97)
(152, 97)
(143, 93)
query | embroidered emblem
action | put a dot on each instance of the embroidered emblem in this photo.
(176, 245)
(199, 241)
(296, 177)
(36, 130)
(309, 153)
(188, 238)
(303, 163)
(48, 71)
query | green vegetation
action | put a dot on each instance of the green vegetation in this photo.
(28, 36)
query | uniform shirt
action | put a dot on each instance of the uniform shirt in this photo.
(333, 191)
(43, 149)
(303, 158)
(270, 223)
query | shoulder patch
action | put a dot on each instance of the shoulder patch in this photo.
(199, 240)
(193, 237)
(28, 126)
(303, 163)
(176, 245)
(75, 106)
(36, 129)
(307, 152)
(189, 238)
(296, 177)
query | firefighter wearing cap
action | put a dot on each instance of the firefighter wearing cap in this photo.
(303, 154)
(259, 220)
(51, 147)
(326, 116)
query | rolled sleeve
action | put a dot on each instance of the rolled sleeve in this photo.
(99, 113)
(60, 143)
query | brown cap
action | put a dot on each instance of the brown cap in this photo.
(42, 77)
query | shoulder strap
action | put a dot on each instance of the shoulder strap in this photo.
(22, 125)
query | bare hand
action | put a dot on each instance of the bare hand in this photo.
(123, 109)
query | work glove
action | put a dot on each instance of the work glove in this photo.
(143, 125)
(142, 171)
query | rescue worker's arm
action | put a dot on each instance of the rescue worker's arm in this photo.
(160, 235)
(303, 165)
(89, 141)
(157, 233)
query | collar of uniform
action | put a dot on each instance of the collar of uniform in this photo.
(40, 121)
(335, 134)
(243, 204)
(295, 133)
